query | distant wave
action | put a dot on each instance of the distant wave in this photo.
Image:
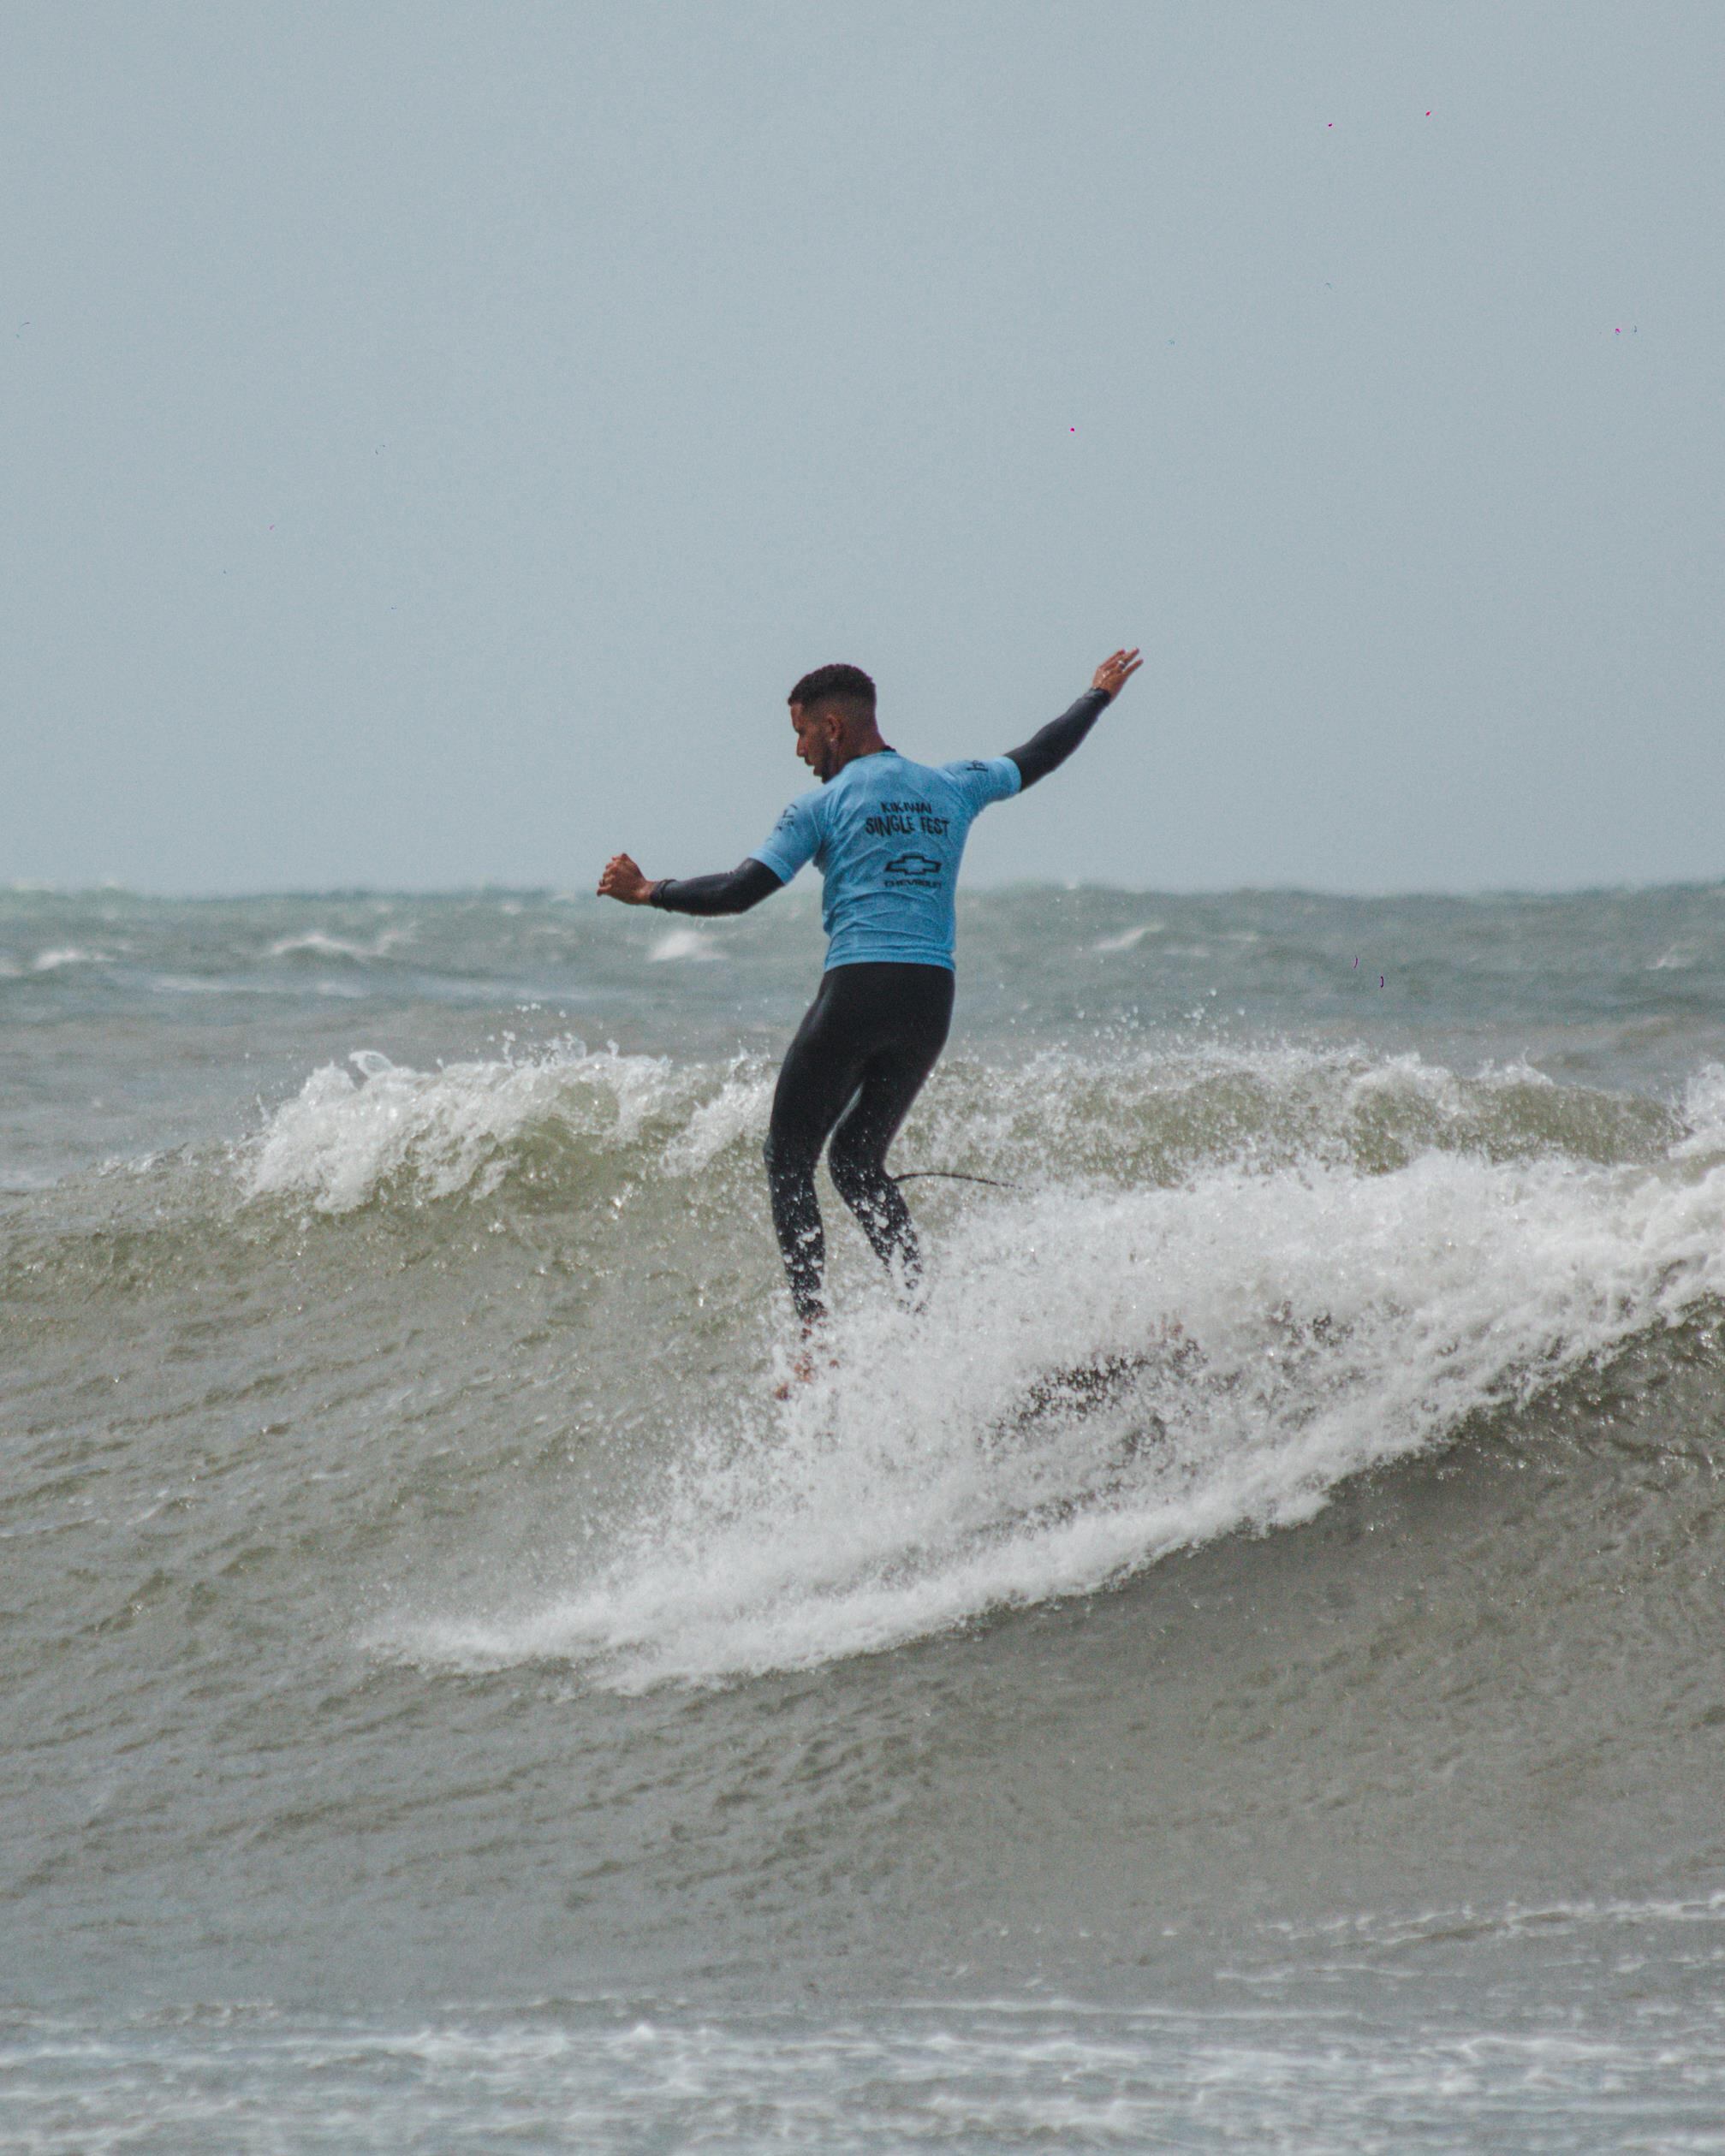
(1129, 939)
(685, 943)
(315, 943)
(56, 961)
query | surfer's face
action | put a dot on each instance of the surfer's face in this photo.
(820, 740)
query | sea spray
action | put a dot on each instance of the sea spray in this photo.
(1269, 1326)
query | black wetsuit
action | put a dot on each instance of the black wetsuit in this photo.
(869, 1040)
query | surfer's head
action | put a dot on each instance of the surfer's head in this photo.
(833, 710)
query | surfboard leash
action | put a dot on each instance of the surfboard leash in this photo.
(951, 1175)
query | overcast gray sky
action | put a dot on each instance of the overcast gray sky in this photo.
(436, 436)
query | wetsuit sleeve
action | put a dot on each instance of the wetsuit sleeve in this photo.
(1049, 749)
(735, 892)
(794, 838)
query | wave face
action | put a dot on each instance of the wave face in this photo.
(1284, 1542)
(1196, 1292)
(1218, 1285)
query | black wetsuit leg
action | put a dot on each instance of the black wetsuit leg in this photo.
(869, 1039)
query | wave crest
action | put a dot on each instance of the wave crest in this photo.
(352, 1135)
(1102, 1376)
(344, 1139)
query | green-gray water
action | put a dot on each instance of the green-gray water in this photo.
(1243, 1666)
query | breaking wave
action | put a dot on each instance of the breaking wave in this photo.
(1218, 1286)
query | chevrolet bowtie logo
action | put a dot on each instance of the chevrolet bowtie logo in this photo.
(913, 865)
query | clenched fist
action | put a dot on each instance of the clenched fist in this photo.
(623, 880)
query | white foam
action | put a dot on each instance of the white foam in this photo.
(452, 1129)
(1703, 1113)
(342, 1139)
(55, 961)
(1129, 939)
(739, 1108)
(956, 2071)
(689, 943)
(1330, 1318)
(1511, 1919)
(314, 943)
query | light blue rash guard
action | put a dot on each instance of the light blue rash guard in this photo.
(887, 835)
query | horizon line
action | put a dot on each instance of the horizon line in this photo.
(556, 894)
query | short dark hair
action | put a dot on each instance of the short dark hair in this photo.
(848, 686)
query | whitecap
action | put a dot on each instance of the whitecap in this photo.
(1129, 939)
(1254, 1338)
(738, 1108)
(314, 943)
(341, 1139)
(53, 961)
(685, 943)
(1704, 1114)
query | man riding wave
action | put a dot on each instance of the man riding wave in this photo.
(887, 835)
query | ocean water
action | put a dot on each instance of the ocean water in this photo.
(1242, 1668)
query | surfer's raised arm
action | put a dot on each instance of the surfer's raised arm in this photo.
(887, 835)
(1049, 749)
(734, 892)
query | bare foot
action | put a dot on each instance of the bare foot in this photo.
(805, 1365)
(802, 1369)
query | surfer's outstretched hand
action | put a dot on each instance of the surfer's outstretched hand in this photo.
(1113, 674)
(623, 880)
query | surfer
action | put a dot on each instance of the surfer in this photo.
(887, 835)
